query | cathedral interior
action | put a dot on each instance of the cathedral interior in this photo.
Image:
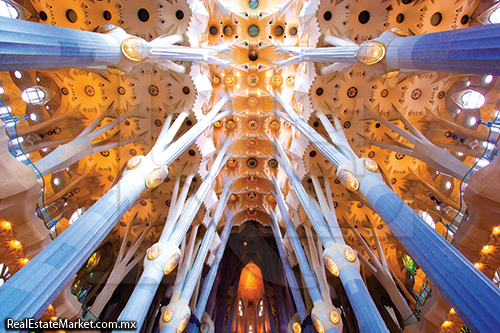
(251, 166)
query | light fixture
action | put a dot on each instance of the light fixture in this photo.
(486, 248)
(183, 323)
(488, 79)
(171, 263)
(478, 265)
(349, 254)
(168, 315)
(317, 324)
(297, 328)
(331, 266)
(33, 116)
(6, 225)
(26, 260)
(496, 230)
(153, 252)
(16, 243)
(448, 185)
(56, 181)
(334, 317)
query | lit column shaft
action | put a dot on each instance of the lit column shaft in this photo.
(56, 265)
(451, 273)
(210, 278)
(307, 273)
(438, 258)
(38, 283)
(369, 318)
(194, 202)
(143, 294)
(28, 45)
(195, 272)
(290, 276)
(470, 51)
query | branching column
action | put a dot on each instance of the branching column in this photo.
(164, 256)
(27, 45)
(445, 266)
(39, 282)
(339, 258)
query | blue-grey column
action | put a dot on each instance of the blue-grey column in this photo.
(290, 276)
(473, 50)
(28, 45)
(37, 284)
(369, 318)
(31, 290)
(196, 270)
(473, 296)
(447, 268)
(210, 278)
(143, 294)
(309, 277)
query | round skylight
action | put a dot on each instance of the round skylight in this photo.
(428, 219)
(495, 16)
(33, 95)
(7, 10)
(472, 99)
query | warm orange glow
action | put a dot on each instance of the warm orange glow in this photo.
(6, 225)
(251, 285)
(452, 310)
(478, 265)
(496, 230)
(487, 248)
(26, 260)
(447, 323)
(16, 243)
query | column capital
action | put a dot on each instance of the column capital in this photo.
(164, 256)
(325, 317)
(353, 172)
(175, 317)
(338, 256)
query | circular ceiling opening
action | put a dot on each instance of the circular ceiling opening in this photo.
(228, 30)
(293, 31)
(436, 19)
(400, 18)
(465, 19)
(43, 16)
(106, 15)
(253, 4)
(253, 30)
(253, 55)
(179, 14)
(327, 15)
(278, 30)
(71, 15)
(143, 15)
(364, 17)
(213, 30)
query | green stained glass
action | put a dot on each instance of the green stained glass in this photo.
(409, 264)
